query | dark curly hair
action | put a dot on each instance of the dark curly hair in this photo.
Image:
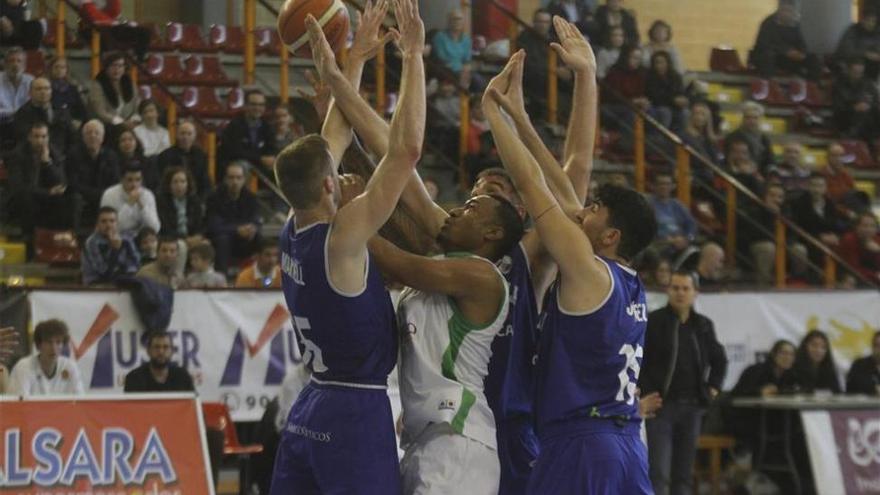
(629, 212)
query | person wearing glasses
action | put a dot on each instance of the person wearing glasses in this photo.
(249, 136)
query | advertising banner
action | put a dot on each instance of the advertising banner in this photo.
(844, 450)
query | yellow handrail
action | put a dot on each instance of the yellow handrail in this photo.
(95, 47)
(60, 29)
(552, 88)
(730, 222)
(830, 272)
(380, 82)
(212, 156)
(284, 77)
(780, 253)
(683, 175)
(464, 129)
(639, 152)
(172, 121)
(250, 42)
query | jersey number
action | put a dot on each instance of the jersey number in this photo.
(627, 390)
(312, 355)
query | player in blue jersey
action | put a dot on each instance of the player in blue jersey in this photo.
(339, 436)
(594, 318)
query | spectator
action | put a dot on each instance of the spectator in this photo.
(862, 40)
(665, 91)
(147, 241)
(108, 255)
(781, 48)
(131, 155)
(710, 266)
(65, 93)
(855, 100)
(445, 129)
(39, 109)
(135, 204)
(840, 183)
(159, 374)
(15, 84)
(92, 169)
(534, 42)
(112, 95)
(864, 375)
(791, 171)
(676, 227)
(38, 184)
(181, 212)
(660, 40)
(48, 372)
(248, 136)
(153, 136)
(478, 125)
(686, 364)
(452, 47)
(285, 130)
(15, 29)
(577, 12)
(699, 135)
(628, 77)
(818, 215)
(202, 274)
(187, 154)
(814, 367)
(760, 147)
(657, 273)
(264, 272)
(613, 14)
(739, 163)
(165, 269)
(115, 34)
(860, 247)
(233, 219)
(609, 53)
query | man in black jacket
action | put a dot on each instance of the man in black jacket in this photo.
(686, 364)
(186, 153)
(92, 168)
(781, 46)
(159, 374)
(39, 109)
(249, 136)
(864, 375)
(233, 218)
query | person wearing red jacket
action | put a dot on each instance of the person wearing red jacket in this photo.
(861, 247)
(116, 34)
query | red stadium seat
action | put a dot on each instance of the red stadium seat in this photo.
(769, 92)
(56, 247)
(230, 39)
(204, 102)
(206, 70)
(187, 37)
(49, 36)
(166, 68)
(36, 63)
(157, 40)
(217, 418)
(235, 100)
(857, 154)
(807, 93)
(268, 40)
(726, 59)
(156, 93)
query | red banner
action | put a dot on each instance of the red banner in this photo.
(103, 446)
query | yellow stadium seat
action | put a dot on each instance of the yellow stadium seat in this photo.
(12, 253)
(868, 187)
(724, 94)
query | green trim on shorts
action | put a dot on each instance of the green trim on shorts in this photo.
(467, 400)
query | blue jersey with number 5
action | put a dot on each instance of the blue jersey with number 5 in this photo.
(344, 337)
(588, 364)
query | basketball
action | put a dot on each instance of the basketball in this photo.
(332, 15)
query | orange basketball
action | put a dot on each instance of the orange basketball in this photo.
(332, 15)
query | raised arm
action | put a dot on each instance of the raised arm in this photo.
(359, 220)
(580, 139)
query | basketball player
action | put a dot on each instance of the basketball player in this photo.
(527, 267)
(593, 321)
(339, 436)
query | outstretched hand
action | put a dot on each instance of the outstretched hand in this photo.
(411, 29)
(574, 50)
(506, 89)
(8, 342)
(321, 99)
(322, 54)
(367, 40)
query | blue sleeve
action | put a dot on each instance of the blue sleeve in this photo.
(93, 265)
(688, 224)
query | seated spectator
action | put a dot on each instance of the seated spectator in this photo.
(864, 375)
(159, 374)
(840, 183)
(181, 212)
(862, 40)
(265, 271)
(628, 77)
(116, 34)
(756, 236)
(65, 93)
(676, 227)
(478, 125)
(855, 101)
(112, 95)
(609, 53)
(285, 130)
(165, 269)
(699, 135)
(452, 47)
(534, 42)
(188, 154)
(233, 218)
(445, 128)
(791, 171)
(665, 90)
(147, 241)
(577, 12)
(818, 215)
(15, 83)
(202, 274)
(47, 372)
(781, 48)
(710, 267)
(249, 137)
(135, 204)
(740, 164)
(39, 109)
(107, 255)
(860, 247)
(92, 169)
(613, 14)
(16, 29)
(38, 185)
(814, 367)
(131, 155)
(153, 136)
(660, 40)
(657, 273)
(760, 147)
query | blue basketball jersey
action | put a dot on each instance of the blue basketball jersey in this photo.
(588, 364)
(509, 385)
(348, 338)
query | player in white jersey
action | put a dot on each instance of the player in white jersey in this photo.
(47, 372)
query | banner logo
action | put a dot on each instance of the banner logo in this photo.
(278, 353)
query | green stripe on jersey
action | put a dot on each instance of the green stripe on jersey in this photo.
(458, 330)
(467, 400)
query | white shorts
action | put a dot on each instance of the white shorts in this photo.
(440, 461)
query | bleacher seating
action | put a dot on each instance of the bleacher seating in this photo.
(36, 63)
(229, 39)
(268, 41)
(156, 93)
(166, 68)
(187, 38)
(206, 70)
(726, 59)
(769, 92)
(158, 43)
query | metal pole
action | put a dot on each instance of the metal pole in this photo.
(250, 42)
(60, 29)
(552, 88)
(683, 174)
(780, 253)
(639, 152)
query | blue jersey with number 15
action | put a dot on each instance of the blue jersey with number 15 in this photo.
(588, 364)
(347, 338)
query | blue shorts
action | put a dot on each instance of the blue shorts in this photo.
(592, 457)
(337, 440)
(517, 451)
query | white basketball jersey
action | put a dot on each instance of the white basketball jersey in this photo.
(443, 361)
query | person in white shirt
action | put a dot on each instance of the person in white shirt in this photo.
(153, 136)
(135, 205)
(15, 84)
(47, 372)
